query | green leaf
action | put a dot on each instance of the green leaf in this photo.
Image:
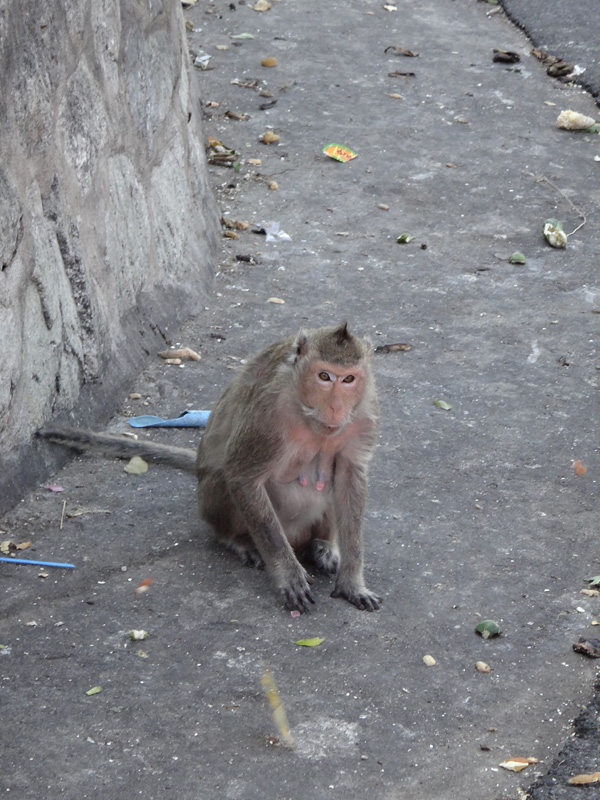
(488, 628)
(310, 642)
(94, 690)
(595, 581)
(405, 238)
(517, 258)
(442, 404)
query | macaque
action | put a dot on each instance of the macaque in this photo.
(282, 465)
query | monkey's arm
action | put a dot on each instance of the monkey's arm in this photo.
(265, 529)
(350, 492)
(117, 447)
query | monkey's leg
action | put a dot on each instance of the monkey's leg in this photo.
(350, 498)
(218, 509)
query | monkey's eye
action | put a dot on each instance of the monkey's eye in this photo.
(324, 376)
(348, 379)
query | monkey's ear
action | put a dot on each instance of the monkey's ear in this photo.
(341, 333)
(300, 346)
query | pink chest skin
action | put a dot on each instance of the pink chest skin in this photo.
(308, 458)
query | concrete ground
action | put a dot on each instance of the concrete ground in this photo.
(474, 512)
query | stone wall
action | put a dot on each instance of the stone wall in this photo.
(108, 229)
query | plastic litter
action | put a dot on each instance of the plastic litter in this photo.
(189, 419)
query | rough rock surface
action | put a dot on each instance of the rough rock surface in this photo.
(107, 226)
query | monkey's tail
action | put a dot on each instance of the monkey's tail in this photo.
(117, 447)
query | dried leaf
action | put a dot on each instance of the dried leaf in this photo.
(273, 185)
(481, 666)
(183, 352)
(393, 348)
(23, 545)
(581, 780)
(578, 468)
(277, 300)
(591, 592)
(261, 5)
(401, 51)
(314, 642)
(269, 137)
(506, 56)
(429, 661)
(587, 647)
(237, 116)
(242, 36)
(79, 511)
(136, 466)
(7, 546)
(94, 690)
(270, 61)
(383, 206)
(518, 764)
(53, 488)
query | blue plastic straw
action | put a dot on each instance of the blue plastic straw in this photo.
(39, 563)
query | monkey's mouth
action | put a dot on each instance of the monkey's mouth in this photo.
(329, 430)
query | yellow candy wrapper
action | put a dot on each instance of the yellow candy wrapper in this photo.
(279, 715)
(339, 152)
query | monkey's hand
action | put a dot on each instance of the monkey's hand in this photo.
(359, 596)
(296, 593)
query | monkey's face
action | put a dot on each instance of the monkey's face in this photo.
(330, 393)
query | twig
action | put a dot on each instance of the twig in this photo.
(62, 516)
(544, 179)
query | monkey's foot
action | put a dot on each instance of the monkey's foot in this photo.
(324, 556)
(362, 598)
(247, 552)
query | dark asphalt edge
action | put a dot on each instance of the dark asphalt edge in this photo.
(586, 727)
(579, 80)
(568, 762)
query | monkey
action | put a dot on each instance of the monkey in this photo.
(282, 464)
